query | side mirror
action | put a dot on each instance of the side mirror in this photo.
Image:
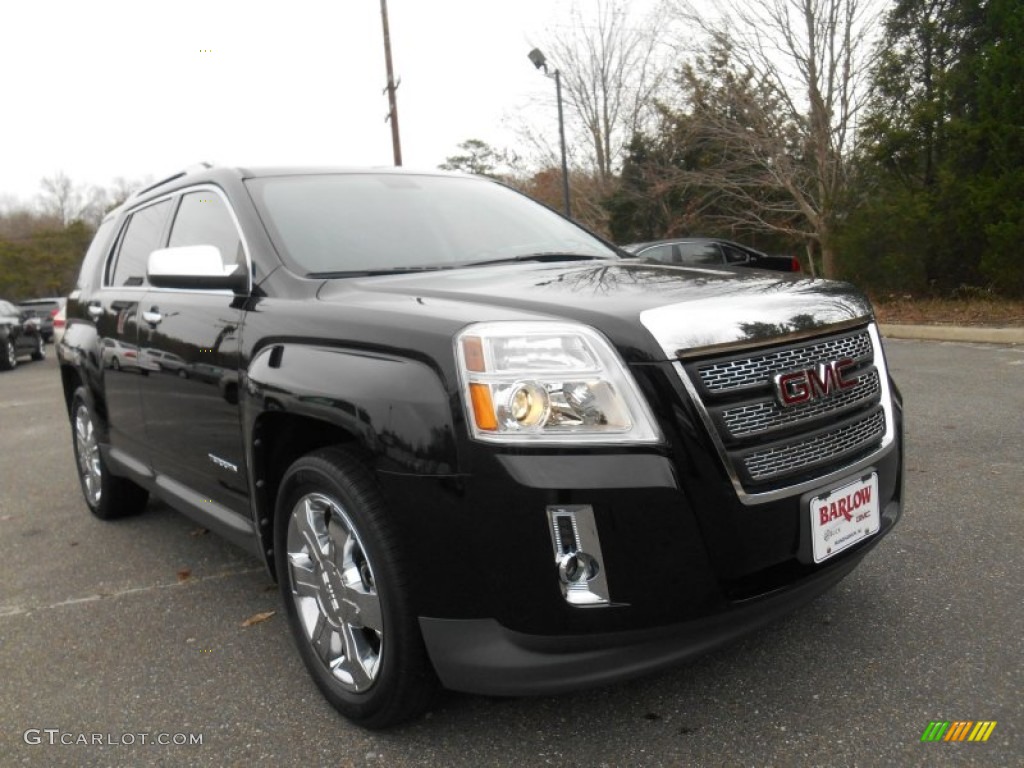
(197, 267)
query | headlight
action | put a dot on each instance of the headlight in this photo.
(549, 382)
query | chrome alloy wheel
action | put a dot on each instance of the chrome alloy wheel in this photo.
(12, 355)
(88, 453)
(334, 591)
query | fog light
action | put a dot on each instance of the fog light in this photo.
(578, 555)
(577, 568)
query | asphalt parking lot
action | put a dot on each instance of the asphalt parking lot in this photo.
(135, 627)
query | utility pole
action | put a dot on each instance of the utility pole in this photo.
(396, 143)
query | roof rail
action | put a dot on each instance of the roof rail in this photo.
(191, 169)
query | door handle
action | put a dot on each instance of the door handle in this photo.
(95, 311)
(152, 316)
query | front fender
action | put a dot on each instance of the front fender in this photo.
(398, 410)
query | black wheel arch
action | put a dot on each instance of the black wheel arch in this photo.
(391, 412)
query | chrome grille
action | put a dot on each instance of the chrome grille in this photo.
(820, 448)
(728, 375)
(769, 447)
(768, 415)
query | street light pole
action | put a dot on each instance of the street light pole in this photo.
(396, 143)
(540, 62)
(561, 137)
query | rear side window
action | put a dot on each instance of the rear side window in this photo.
(141, 237)
(735, 255)
(662, 253)
(699, 253)
(96, 255)
(203, 218)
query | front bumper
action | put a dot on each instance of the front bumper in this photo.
(689, 565)
(481, 656)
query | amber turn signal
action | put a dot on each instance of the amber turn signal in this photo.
(483, 407)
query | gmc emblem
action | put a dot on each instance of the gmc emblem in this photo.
(804, 386)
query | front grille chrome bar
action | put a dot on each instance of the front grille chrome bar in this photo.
(770, 451)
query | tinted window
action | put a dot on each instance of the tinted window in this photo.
(700, 253)
(141, 238)
(96, 254)
(203, 219)
(735, 255)
(351, 222)
(662, 253)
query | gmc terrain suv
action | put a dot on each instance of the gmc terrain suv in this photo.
(473, 445)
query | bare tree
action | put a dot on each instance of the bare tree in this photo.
(610, 71)
(60, 197)
(806, 62)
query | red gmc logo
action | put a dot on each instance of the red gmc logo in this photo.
(814, 383)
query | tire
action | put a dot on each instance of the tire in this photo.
(344, 585)
(39, 353)
(182, 373)
(115, 364)
(8, 355)
(108, 497)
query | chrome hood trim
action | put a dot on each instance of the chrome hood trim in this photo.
(710, 326)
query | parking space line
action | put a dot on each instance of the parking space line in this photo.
(21, 610)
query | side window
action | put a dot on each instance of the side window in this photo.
(96, 255)
(204, 219)
(700, 253)
(141, 238)
(662, 253)
(735, 255)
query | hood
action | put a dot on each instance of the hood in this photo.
(682, 308)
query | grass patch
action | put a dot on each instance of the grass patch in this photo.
(968, 311)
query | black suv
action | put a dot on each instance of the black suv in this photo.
(472, 444)
(20, 334)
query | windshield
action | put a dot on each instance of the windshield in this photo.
(337, 223)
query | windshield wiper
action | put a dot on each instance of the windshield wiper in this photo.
(374, 272)
(541, 256)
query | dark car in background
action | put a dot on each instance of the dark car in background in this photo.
(44, 310)
(711, 252)
(19, 335)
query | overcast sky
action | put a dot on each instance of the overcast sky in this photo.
(105, 88)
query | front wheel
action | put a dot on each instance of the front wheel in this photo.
(345, 591)
(107, 496)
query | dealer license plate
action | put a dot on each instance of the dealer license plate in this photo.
(845, 516)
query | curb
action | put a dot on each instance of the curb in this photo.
(954, 333)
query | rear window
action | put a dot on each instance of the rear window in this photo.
(40, 308)
(352, 222)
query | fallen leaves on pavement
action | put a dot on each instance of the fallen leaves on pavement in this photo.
(258, 618)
